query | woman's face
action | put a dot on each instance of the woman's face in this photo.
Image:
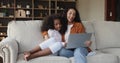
(57, 24)
(71, 15)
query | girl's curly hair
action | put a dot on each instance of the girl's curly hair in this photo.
(48, 23)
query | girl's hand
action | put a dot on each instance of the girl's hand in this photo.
(88, 43)
(64, 44)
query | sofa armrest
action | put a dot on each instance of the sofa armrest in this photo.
(9, 50)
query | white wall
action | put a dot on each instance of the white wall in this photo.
(91, 10)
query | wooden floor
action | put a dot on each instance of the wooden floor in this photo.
(1, 60)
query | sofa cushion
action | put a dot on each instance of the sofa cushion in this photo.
(103, 58)
(100, 58)
(45, 59)
(27, 33)
(107, 34)
(113, 51)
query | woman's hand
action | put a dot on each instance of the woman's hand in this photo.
(88, 43)
(46, 37)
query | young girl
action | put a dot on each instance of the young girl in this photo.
(52, 29)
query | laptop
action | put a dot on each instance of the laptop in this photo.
(78, 40)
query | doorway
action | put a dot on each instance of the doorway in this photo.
(118, 10)
(112, 10)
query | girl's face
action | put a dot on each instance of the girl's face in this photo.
(71, 15)
(57, 24)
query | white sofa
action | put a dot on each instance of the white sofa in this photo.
(24, 35)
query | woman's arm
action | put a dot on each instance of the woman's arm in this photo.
(81, 29)
(46, 37)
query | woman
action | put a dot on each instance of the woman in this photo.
(74, 26)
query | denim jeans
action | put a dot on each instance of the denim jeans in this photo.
(78, 53)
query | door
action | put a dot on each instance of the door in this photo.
(118, 10)
(112, 10)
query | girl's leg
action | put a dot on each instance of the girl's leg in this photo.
(45, 44)
(37, 48)
(56, 47)
(28, 53)
(44, 52)
(66, 52)
(80, 55)
(51, 50)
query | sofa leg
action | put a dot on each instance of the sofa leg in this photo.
(1, 60)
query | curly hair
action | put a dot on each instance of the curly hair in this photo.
(77, 16)
(48, 23)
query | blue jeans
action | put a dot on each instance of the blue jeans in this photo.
(78, 53)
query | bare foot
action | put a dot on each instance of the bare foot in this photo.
(26, 55)
(26, 58)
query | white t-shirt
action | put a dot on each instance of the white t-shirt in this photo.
(54, 42)
(55, 34)
(68, 32)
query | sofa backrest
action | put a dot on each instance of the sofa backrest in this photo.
(107, 34)
(27, 33)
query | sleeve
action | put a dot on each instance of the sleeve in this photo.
(45, 35)
(77, 28)
(51, 33)
(81, 28)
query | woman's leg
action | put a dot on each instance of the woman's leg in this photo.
(80, 55)
(66, 52)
